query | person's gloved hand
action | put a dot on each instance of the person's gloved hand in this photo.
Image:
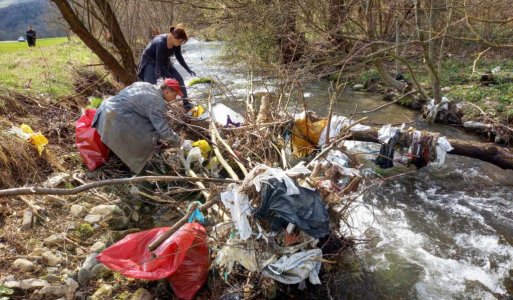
(186, 145)
(192, 73)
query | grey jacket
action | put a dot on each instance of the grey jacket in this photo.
(130, 122)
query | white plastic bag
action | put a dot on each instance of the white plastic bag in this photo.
(336, 125)
(194, 156)
(275, 173)
(238, 204)
(234, 252)
(442, 147)
(296, 268)
(220, 113)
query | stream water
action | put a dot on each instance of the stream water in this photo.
(440, 233)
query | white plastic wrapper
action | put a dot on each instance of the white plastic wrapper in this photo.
(238, 205)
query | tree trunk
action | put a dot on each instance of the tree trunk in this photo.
(433, 71)
(118, 38)
(290, 40)
(338, 12)
(126, 76)
(378, 63)
(488, 152)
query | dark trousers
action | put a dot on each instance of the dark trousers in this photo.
(149, 76)
(31, 42)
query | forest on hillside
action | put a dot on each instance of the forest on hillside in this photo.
(15, 18)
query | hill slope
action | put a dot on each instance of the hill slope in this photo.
(15, 16)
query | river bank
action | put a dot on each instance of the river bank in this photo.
(424, 231)
(480, 96)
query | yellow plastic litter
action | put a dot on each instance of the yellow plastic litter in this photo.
(305, 135)
(204, 147)
(26, 128)
(197, 111)
(39, 141)
(36, 138)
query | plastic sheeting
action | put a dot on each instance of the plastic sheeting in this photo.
(221, 113)
(35, 138)
(341, 161)
(306, 134)
(434, 109)
(93, 151)
(296, 268)
(276, 173)
(336, 125)
(306, 209)
(194, 156)
(233, 253)
(238, 204)
(183, 258)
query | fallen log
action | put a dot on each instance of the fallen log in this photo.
(489, 152)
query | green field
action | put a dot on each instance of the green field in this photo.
(6, 47)
(45, 70)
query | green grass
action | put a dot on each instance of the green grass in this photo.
(47, 69)
(94, 102)
(6, 47)
(496, 99)
(200, 80)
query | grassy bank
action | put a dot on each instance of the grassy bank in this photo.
(461, 85)
(47, 69)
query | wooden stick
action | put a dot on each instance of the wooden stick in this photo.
(229, 149)
(92, 185)
(34, 208)
(155, 244)
(213, 136)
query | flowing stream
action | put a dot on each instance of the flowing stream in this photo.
(440, 233)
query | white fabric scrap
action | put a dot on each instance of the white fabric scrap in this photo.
(238, 204)
(442, 147)
(296, 268)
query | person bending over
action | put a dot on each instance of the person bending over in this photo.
(156, 63)
(130, 122)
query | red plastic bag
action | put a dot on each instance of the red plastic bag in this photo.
(93, 151)
(183, 258)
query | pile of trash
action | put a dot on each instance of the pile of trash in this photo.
(416, 147)
(270, 227)
(277, 226)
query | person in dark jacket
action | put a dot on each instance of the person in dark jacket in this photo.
(155, 61)
(130, 122)
(31, 36)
